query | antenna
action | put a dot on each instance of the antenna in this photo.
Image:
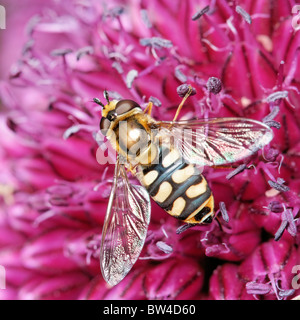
(96, 100)
(106, 96)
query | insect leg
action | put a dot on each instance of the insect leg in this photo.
(148, 109)
(185, 227)
(132, 169)
(182, 102)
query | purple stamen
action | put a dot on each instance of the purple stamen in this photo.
(131, 75)
(224, 212)
(84, 51)
(254, 287)
(145, 18)
(273, 124)
(244, 14)
(164, 247)
(155, 101)
(288, 223)
(278, 186)
(156, 42)
(275, 206)
(200, 13)
(277, 95)
(61, 52)
(236, 171)
(280, 230)
(180, 75)
(214, 85)
(183, 89)
(271, 115)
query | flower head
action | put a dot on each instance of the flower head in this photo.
(241, 59)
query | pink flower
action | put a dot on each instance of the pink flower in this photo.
(242, 60)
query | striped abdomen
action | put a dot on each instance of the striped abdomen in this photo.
(178, 187)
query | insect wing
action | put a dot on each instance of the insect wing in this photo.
(217, 141)
(125, 227)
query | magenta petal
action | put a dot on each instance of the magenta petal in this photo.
(94, 290)
(67, 160)
(226, 284)
(174, 280)
(271, 263)
(15, 273)
(46, 253)
(131, 288)
(62, 287)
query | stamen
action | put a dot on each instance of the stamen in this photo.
(180, 75)
(223, 210)
(84, 51)
(184, 228)
(117, 65)
(156, 42)
(271, 154)
(164, 247)
(278, 186)
(115, 12)
(244, 14)
(155, 101)
(275, 206)
(285, 293)
(273, 124)
(131, 75)
(271, 115)
(280, 230)
(145, 18)
(183, 89)
(236, 171)
(200, 13)
(60, 52)
(257, 288)
(277, 95)
(214, 85)
(292, 229)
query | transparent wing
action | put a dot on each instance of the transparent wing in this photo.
(216, 141)
(125, 227)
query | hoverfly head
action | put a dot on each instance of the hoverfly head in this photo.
(114, 109)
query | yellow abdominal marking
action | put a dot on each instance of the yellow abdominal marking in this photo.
(178, 206)
(170, 158)
(182, 175)
(150, 177)
(165, 189)
(196, 190)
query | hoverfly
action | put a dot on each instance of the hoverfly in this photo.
(166, 161)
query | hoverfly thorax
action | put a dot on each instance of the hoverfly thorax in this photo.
(127, 128)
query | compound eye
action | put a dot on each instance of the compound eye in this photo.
(111, 116)
(124, 106)
(104, 125)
